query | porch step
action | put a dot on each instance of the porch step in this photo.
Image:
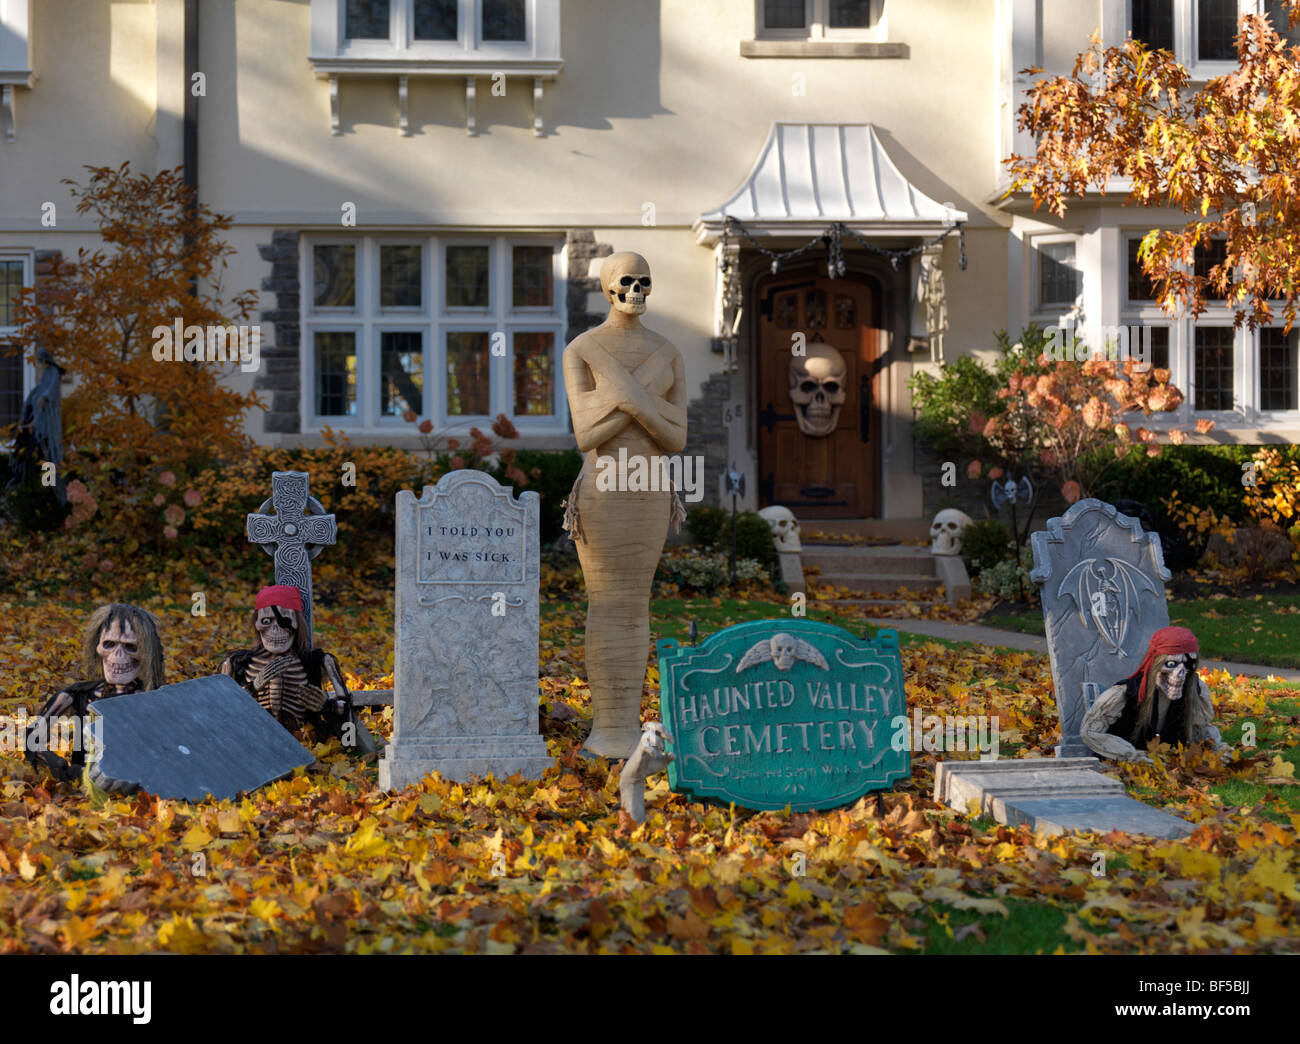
(878, 583)
(900, 559)
(888, 528)
(870, 605)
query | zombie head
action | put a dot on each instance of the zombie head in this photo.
(625, 281)
(947, 530)
(120, 644)
(784, 526)
(277, 620)
(1169, 667)
(818, 389)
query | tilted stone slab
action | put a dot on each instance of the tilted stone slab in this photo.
(1051, 795)
(190, 740)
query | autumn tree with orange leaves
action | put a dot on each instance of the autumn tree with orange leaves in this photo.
(136, 427)
(1227, 155)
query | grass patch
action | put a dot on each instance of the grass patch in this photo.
(1029, 927)
(1263, 630)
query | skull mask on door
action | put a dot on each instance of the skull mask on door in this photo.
(817, 389)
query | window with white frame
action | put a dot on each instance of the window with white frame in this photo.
(455, 31)
(15, 374)
(1147, 327)
(456, 329)
(819, 19)
(1059, 283)
(1200, 33)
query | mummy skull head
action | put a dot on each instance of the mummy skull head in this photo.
(119, 653)
(784, 526)
(1172, 674)
(277, 628)
(817, 389)
(783, 651)
(625, 281)
(946, 532)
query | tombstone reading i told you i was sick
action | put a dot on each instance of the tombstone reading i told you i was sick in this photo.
(466, 615)
(783, 712)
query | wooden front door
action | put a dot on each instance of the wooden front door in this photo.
(817, 440)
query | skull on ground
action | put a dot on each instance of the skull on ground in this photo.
(946, 531)
(818, 389)
(784, 526)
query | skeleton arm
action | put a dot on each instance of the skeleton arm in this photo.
(60, 704)
(335, 676)
(1104, 712)
(1200, 719)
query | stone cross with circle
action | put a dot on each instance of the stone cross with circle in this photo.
(292, 536)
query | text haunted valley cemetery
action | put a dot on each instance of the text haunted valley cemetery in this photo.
(730, 738)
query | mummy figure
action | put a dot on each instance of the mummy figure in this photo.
(284, 672)
(120, 653)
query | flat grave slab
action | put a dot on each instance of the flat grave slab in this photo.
(1051, 795)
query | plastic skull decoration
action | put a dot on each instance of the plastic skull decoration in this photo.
(119, 653)
(817, 389)
(783, 650)
(784, 526)
(625, 281)
(277, 628)
(946, 531)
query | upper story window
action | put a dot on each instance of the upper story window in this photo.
(1277, 14)
(1200, 33)
(410, 25)
(821, 29)
(456, 329)
(815, 19)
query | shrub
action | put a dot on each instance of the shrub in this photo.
(985, 543)
(1007, 579)
(551, 474)
(706, 573)
(711, 528)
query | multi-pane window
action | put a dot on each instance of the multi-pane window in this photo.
(1277, 13)
(1278, 380)
(1140, 286)
(11, 356)
(1153, 23)
(1212, 348)
(1207, 257)
(491, 21)
(1216, 27)
(818, 17)
(455, 330)
(1058, 278)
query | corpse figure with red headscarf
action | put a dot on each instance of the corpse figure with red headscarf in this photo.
(1165, 698)
(284, 672)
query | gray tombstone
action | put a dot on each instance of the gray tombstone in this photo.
(1102, 582)
(189, 740)
(467, 614)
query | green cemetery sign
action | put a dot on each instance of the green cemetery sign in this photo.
(783, 712)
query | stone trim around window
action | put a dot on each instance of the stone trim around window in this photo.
(281, 373)
(822, 49)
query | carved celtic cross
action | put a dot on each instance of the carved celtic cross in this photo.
(292, 536)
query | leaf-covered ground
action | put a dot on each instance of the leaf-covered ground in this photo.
(324, 861)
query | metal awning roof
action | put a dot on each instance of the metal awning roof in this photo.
(808, 175)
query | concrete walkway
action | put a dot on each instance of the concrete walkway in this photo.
(1035, 643)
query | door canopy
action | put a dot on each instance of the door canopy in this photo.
(811, 175)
